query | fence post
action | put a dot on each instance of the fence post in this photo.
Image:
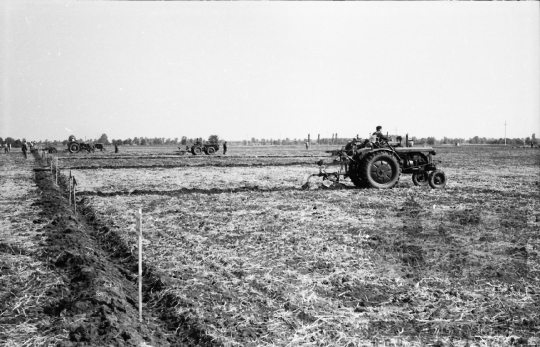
(56, 170)
(138, 216)
(75, 194)
(69, 184)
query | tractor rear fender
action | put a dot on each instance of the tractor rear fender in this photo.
(363, 151)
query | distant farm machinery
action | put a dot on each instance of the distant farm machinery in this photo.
(378, 163)
(51, 149)
(200, 148)
(75, 146)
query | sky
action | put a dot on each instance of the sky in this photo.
(268, 69)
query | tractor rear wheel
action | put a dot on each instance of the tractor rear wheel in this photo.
(420, 178)
(380, 170)
(210, 150)
(74, 147)
(196, 150)
(437, 179)
(53, 150)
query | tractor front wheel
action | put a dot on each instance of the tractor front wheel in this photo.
(74, 148)
(420, 178)
(380, 170)
(210, 150)
(437, 179)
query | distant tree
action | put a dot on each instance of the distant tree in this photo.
(430, 140)
(533, 139)
(175, 141)
(184, 140)
(104, 139)
(213, 139)
(528, 141)
(10, 140)
(128, 141)
(65, 142)
(17, 143)
(135, 141)
(1, 140)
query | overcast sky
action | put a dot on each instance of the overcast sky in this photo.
(268, 69)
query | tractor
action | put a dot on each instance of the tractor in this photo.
(75, 146)
(378, 163)
(207, 148)
(199, 148)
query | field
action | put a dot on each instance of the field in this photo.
(239, 254)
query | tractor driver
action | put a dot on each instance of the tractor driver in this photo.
(379, 134)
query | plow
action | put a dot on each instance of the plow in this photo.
(378, 163)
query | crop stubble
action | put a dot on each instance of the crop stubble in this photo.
(346, 266)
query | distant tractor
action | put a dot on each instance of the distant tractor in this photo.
(207, 148)
(199, 148)
(51, 149)
(75, 146)
(379, 164)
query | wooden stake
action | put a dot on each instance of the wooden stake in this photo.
(139, 233)
(75, 197)
(69, 184)
(56, 170)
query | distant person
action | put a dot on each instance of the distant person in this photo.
(24, 149)
(5, 148)
(224, 147)
(9, 147)
(115, 148)
(307, 145)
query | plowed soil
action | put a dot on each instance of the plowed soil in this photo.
(93, 300)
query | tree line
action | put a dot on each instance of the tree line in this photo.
(184, 140)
